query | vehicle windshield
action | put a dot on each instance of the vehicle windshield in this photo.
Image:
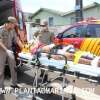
(90, 30)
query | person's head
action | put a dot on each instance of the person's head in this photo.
(44, 22)
(11, 23)
(44, 25)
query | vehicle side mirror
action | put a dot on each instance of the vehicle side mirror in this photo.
(59, 36)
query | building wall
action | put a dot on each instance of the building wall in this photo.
(27, 16)
(68, 18)
(58, 20)
(94, 12)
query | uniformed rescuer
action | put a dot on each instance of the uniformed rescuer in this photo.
(45, 37)
(7, 36)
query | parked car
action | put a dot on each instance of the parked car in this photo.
(77, 32)
(84, 34)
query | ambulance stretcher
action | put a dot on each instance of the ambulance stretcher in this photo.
(88, 70)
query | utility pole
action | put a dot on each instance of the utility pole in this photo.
(79, 10)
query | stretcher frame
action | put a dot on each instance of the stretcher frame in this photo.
(72, 70)
(37, 65)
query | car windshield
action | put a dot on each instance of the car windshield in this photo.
(90, 30)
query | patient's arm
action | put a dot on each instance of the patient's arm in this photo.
(47, 48)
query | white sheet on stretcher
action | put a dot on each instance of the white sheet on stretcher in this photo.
(59, 64)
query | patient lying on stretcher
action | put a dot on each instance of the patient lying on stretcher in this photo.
(74, 55)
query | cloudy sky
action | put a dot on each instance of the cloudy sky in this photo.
(60, 5)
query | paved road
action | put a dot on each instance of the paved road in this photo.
(84, 90)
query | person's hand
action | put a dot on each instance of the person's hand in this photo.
(10, 54)
(46, 49)
(9, 51)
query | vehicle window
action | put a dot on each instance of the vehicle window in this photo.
(93, 30)
(76, 31)
(98, 31)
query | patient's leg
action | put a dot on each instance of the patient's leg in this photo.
(70, 56)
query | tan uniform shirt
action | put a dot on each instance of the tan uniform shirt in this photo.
(45, 37)
(7, 37)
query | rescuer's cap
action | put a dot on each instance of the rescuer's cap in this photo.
(12, 19)
(44, 22)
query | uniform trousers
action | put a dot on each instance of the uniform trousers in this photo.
(12, 65)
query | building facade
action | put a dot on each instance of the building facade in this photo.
(56, 18)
